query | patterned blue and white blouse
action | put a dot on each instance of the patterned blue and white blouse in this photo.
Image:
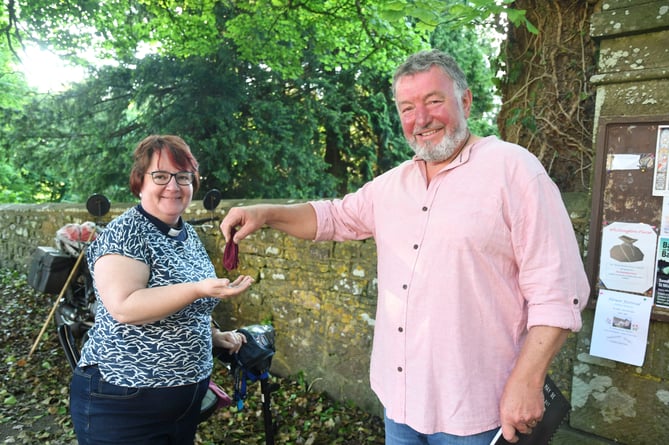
(170, 352)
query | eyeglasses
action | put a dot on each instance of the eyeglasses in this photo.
(161, 177)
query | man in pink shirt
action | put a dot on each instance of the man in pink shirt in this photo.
(480, 276)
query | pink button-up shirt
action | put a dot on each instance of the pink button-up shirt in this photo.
(466, 265)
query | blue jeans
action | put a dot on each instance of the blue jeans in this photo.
(401, 434)
(103, 413)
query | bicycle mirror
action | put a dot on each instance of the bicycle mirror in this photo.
(211, 199)
(97, 205)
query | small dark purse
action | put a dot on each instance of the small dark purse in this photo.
(252, 361)
(255, 356)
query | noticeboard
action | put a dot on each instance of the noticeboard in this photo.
(628, 207)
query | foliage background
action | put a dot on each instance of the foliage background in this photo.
(277, 99)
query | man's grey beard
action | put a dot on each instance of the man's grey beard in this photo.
(445, 148)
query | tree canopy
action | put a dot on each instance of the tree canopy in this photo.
(277, 99)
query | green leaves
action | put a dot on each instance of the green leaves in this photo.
(288, 37)
(277, 99)
(8, 399)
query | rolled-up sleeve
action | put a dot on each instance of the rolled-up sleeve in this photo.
(551, 273)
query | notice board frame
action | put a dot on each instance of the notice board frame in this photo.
(612, 201)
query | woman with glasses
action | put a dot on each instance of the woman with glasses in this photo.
(146, 365)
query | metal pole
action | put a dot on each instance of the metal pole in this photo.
(266, 390)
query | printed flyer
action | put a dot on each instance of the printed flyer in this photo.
(627, 261)
(662, 273)
(620, 329)
(660, 178)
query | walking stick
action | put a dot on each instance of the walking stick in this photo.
(60, 295)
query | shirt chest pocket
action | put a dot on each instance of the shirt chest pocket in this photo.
(471, 223)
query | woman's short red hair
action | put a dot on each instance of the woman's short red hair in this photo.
(173, 147)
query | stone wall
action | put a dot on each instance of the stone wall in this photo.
(612, 400)
(320, 297)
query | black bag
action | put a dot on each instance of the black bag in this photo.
(251, 362)
(255, 356)
(49, 269)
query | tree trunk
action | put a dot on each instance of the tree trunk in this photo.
(548, 104)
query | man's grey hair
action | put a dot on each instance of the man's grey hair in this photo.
(424, 60)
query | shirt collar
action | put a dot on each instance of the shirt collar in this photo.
(178, 233)
(460, 159)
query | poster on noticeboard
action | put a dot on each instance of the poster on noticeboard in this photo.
(662, 259)
(620, 328)
(661, 171)
(627, 262)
